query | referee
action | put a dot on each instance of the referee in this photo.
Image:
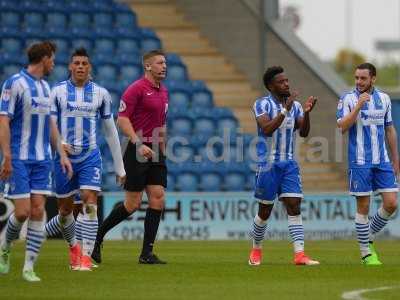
(142, 117)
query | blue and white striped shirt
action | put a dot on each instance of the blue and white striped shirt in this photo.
(25, 99)
(78, 110)
(280, 145)
(367, 135)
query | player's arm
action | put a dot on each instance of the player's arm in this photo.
(163, 137)
(303, 121)
(6, 166)
(57, 145)
(111, 136)
(349, 118)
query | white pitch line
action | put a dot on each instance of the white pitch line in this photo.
(357, 294)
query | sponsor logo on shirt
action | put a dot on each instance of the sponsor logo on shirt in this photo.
(81, 110)
(40, 106)
(372, 117)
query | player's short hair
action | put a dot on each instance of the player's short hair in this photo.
(79, 52)
(270, 73)
(39, 50)
(368, 66)
(151, 54)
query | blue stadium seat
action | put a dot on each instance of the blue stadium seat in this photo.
(128, 46)
(102, 6)
(11, 69)
(62, 57)
(10, 31)
(56, 20)
(62, 45)
(187, 182)
(58, 6)
(10, 18)
(7, 5)
(60, 73)
(177, 72)
(119, 7)
(81, 42)
(234, 181)
(129, 59)
(181, 126)
(12, 58)
(106, 72)
(125, 20)
(33, 20)
(80, 32)
(130, 72)
(77, 6)
(170, 182)
(149, 40)
(102, 20)
(210, 182)
(79, 19)
(11, 45)
(201, 95)
(32, 6)
(173, 58)
(204, 126)
(183, 154)
(221, 112)
(179, 99)
(104, 45)
(229, 124)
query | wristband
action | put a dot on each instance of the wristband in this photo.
(284, 112)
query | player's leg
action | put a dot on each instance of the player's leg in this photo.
(136, 175)
(78, 214)
(34, 237)
(291, 194)
(156, 198)
(266, 188)
(17, 188)
(385, 183)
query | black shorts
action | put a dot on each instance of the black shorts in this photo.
(140, 173)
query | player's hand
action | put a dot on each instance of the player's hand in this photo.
(6, 168)
(67, 148)
(290, 100)
(396, 169)
(145, 151)
(364, 97)
(309, 104)
(120, 180)
(66, 166)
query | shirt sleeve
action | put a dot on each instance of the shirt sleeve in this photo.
(343, 108)
(299, 113)
(9, 97)
(129, 100)
(388, 114)
(261, 107)
(105, 108)
(54, 105)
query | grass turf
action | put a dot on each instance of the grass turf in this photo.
(206, 270)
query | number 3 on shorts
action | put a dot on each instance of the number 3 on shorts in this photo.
(97, 174)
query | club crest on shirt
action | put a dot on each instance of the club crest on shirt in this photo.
(122, 106)
(340, 105)
(6, 95)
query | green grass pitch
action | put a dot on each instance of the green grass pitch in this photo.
(207, 270)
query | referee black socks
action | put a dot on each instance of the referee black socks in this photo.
(151, 222)
(117, 215)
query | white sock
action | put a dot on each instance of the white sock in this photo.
(296, 231)
(362, 229)
(258, 231)
(89, 228)
(68, 229)
(34, 240)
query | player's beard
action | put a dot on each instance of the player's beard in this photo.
(284, 94)
(367, 89)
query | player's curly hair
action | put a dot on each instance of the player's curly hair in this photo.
(270, 73)
(38, 50)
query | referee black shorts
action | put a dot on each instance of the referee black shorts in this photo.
(140, 173)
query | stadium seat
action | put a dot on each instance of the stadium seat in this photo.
(125, 20)
(128, 46)
(79, 19)
(132, 58)
(7, 5)
(82, 42)
(181, 126)
(187, 182)
(204, 126)
(56, 20)
(62, 57)
(183, 154)
(10, 18)
(60, 73)
(32, 6)
(170, 182)
(210, 182)
(102, 20)
(179, 99)
(33, 20)
(11, 45)
(130, 72)
(221, 112)
(11, 69)
(149, 40)
(177, 72)
(234, 181)
(106, 72)
(62, 45)
(227, 124)
(104, 45)
(103, 58)
(201, 95)
(82, 7)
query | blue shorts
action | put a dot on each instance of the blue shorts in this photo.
(365, 181)
(29, 177)
(280, 179)
(87, 175)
